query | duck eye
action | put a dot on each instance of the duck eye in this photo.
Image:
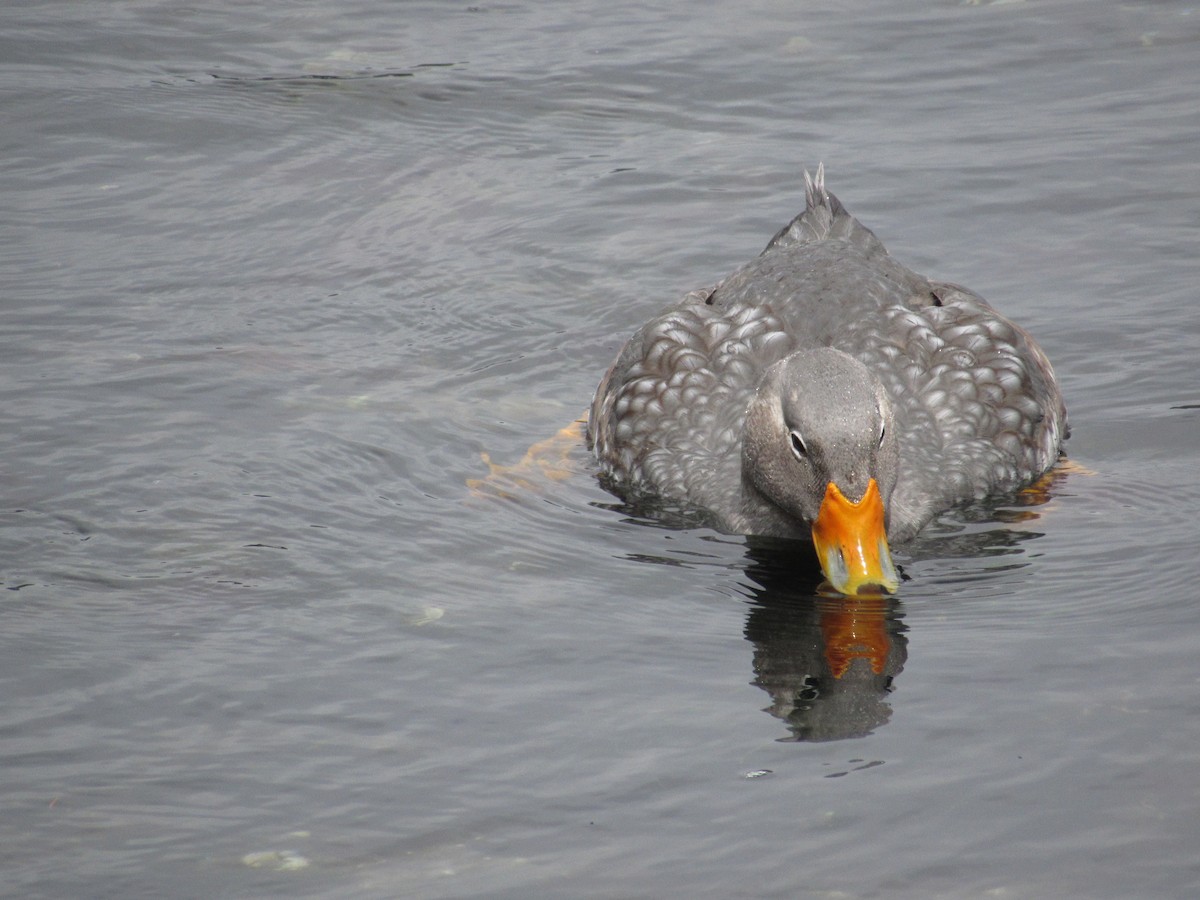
(798, 447)
(882, 432)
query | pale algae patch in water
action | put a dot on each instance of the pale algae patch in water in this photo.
(276, 860)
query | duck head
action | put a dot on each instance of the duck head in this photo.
(819, 443)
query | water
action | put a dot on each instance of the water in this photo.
(275, 276)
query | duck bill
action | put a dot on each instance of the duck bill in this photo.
(851, 542)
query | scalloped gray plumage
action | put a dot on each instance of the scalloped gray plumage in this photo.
(826, 336)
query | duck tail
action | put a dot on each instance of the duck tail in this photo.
(814, 188)
(824, 218)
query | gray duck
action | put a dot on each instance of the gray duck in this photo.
(825, 391)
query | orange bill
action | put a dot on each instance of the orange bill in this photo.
(851, 542)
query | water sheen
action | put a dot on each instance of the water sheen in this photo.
(276, 276)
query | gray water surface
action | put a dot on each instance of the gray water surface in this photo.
(275, 276)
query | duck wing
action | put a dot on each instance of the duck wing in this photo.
(976, 403)
(667, 417)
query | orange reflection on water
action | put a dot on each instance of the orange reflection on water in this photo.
(1041, 492)
(855, 628)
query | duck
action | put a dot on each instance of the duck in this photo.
(825, 392)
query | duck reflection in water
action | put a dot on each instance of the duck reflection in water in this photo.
(828, 663)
